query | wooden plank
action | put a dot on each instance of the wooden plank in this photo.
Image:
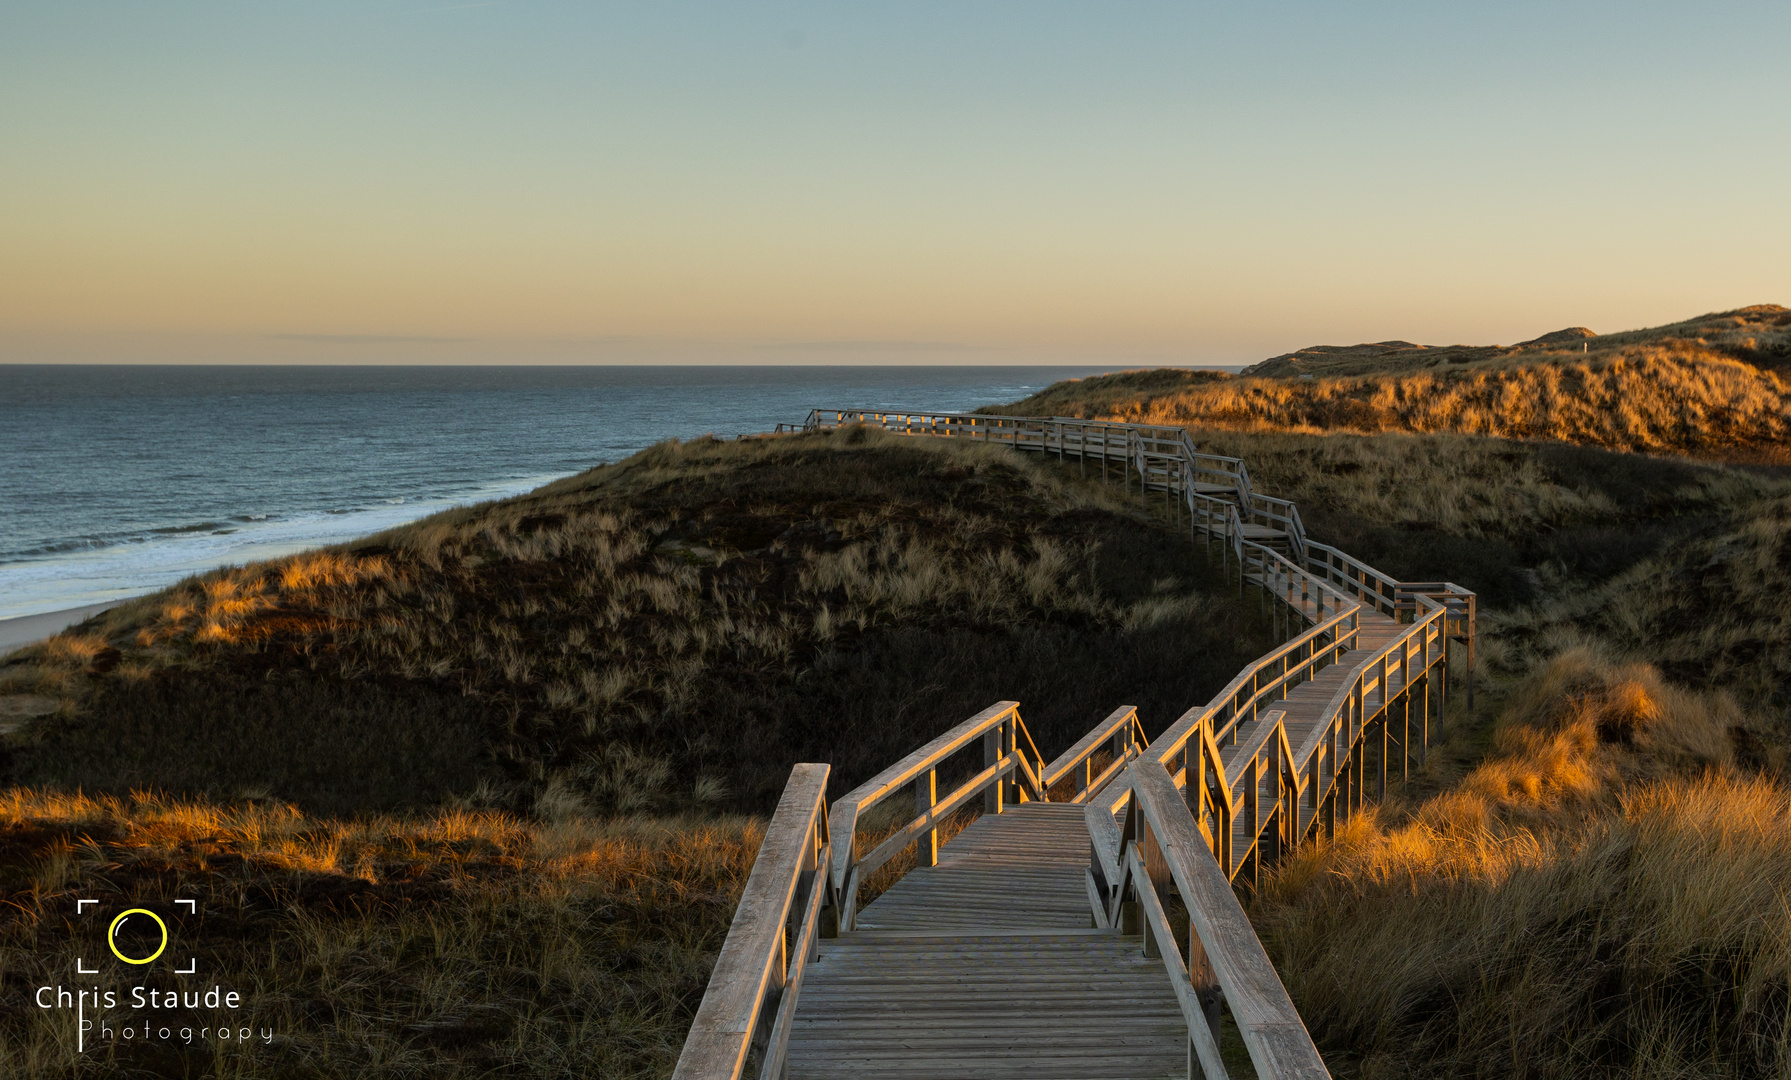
(1206, 1048)
(777, 1044)
(1328, 685)
(1085, 1005)
(1105, 840)
(1362, 662)
(930, 820)
(1177, 734)
(1262, 732)
(1107, 775)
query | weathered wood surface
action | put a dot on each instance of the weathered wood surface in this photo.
(1012, 768)
(753, 965)
(1253, 992)
(1070, 1008)
(986, 966)
(1120, 733)
(1018, 870)
(904, 772)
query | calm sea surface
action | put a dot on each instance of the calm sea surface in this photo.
(116, 481)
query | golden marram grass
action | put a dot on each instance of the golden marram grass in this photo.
(1712, 387)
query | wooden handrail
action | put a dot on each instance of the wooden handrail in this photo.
(1006, 762)
(1323, 574)
(1391, 596)
(1219, 789)
(1360, 686)
(1221, 939)
(1351, 573)
(1120, 727)
(751, 997)
(1247, 692)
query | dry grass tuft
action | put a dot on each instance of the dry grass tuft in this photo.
(1674, 399)
(462, 943)
(1603, 896)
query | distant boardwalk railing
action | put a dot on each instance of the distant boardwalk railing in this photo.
(1228, 789)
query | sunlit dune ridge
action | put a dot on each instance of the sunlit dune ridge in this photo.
(1635, 392)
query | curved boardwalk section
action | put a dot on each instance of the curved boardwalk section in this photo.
(1085, 924)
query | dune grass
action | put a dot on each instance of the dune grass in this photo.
(1759, 335)
(1590, 877)
(469, 798)
(1514, 521)
(1711, 388)
(450, 944)
(662, 635)
(1582, 882)
(1604, 896)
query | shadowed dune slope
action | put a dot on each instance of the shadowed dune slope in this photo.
(662, 634)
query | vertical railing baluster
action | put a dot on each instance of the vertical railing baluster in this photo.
(926, 796)
(992, 741)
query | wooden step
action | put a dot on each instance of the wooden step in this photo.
(1018, 870)
(1084, 1005)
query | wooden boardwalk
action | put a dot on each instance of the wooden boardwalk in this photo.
(1039, 942)
(1022, 870)
(987, 965)
(1305, 716)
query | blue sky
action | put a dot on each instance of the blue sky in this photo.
(1140, 183)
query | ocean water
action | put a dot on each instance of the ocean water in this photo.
(115, 481)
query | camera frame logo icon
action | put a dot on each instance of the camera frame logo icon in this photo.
(161, 935)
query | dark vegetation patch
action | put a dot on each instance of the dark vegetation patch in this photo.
(672, 632)
(460, 944)
(335, 745)
(1517, 522)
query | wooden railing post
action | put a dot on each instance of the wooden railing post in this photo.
(926, 796)
(1010, 733)
(992, 799)
(1153, 872)
(1206, 991)
(1424, 719)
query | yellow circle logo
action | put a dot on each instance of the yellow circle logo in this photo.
(112, 935)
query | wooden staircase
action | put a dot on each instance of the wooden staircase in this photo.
(1305, 713)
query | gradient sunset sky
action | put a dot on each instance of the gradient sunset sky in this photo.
(1033, 182)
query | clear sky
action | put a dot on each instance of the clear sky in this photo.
(439, 180)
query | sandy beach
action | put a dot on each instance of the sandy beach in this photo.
(26, 629)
